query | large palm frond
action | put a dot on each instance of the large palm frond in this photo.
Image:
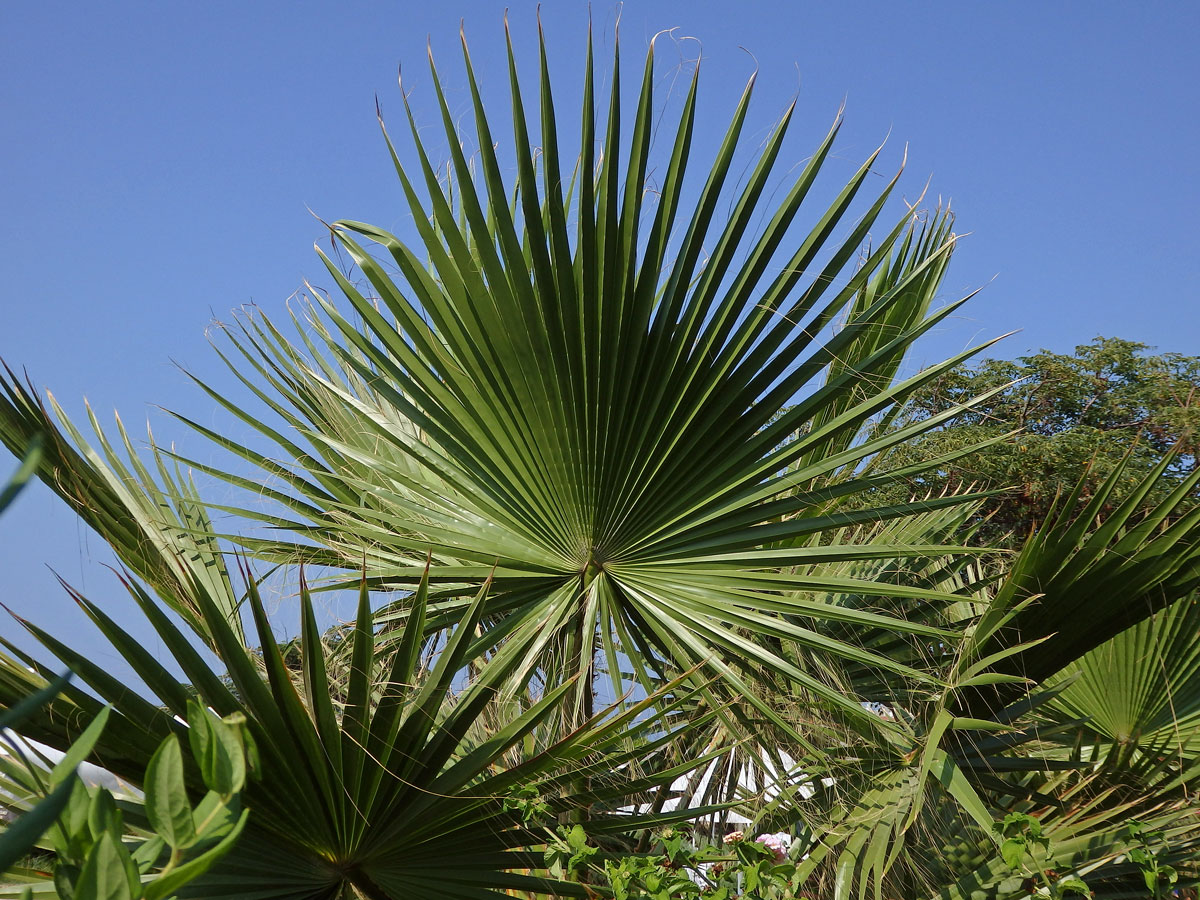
(157, 527)
(629, 425)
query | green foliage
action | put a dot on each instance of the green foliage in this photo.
(23, 834)
(528, 803)
(1088, 411)
(1147, 854)
(581, 432)
(570, 856)
(375, 795)
(675, 869)
(597, 427)
(1026, 848)
(109, 850)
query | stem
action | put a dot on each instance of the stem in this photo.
(176, 857)
(365, 885)
(580, 656)
(225, 798)
(176, 853)
(580, 660)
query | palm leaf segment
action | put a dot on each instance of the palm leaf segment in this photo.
(599, 413)
(156, 524)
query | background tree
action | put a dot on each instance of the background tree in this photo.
(1072, 413)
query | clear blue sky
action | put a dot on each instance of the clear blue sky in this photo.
(159, 159)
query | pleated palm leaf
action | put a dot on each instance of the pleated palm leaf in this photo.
(748, 771)
(1085, 798)
(1098, 701)
(913, 820)
(1094, 847)
(617, 421)
(1140, 691)
(1104, 740)
(916, 822)
(395, 790)
(875, 798)
(628, 433)
(1089, 573)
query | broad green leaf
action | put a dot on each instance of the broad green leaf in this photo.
(165, 885)
(167, 804)
(108, 873)
(1013, 851)
(217, 749)
(103, 815)
(213, 816)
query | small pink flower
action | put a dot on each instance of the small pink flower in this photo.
(777, 843)
(733, 837)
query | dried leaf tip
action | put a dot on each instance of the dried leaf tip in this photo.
(750, 53)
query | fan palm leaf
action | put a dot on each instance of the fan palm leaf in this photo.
(1140, 688)
(632, 427)
(1091, 572)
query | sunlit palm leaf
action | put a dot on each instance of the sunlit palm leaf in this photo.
(614, 423)
(1090, 573)
(1142, 687)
